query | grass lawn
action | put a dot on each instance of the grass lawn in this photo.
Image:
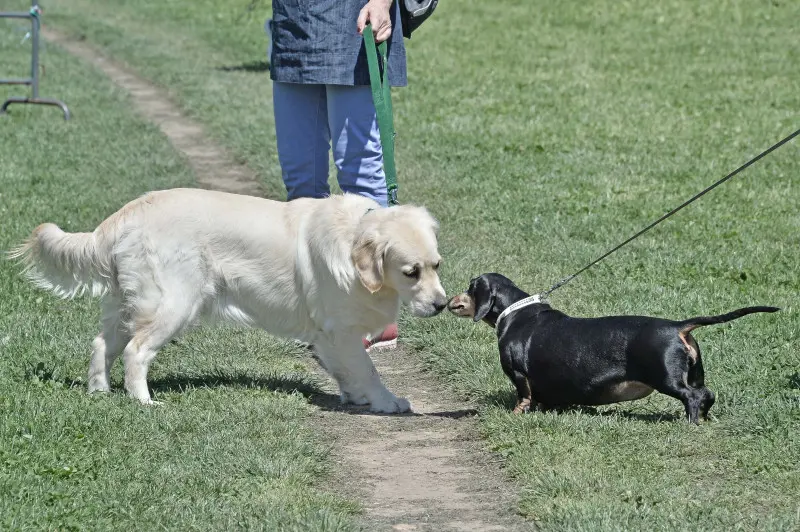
(542, 133)
(232, 448)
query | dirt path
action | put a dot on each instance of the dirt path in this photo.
(420, 472)
(424, 471)
(213, 167)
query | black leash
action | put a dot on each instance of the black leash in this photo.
(764, 153)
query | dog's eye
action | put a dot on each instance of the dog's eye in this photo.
(412, 273)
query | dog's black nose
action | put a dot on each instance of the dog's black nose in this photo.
(439, 306)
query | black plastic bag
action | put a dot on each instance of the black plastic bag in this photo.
(414, 12)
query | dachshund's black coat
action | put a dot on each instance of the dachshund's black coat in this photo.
(556, 360)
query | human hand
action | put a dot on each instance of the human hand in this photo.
(376, 12)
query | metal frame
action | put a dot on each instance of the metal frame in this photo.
(33, 81)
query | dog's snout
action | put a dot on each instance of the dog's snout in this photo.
(439, 306)
(455, 303)
(461, 305)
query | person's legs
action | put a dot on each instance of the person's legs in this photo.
(301, 127)
(305, 117)
(356, 141)
(358, 157)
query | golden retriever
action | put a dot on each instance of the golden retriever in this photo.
(324, 271)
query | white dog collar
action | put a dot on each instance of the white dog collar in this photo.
(528, 301)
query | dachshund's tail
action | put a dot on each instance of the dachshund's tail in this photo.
(700, 321)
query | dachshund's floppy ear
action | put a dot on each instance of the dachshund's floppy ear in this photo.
(367, 255)
(482, 297)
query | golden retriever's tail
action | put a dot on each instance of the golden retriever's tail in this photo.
(68, 264)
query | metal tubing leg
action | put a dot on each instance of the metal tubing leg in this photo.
(37, 101)
(33, 81)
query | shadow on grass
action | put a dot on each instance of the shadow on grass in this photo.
(40, 372)
(252, 66)
(278, 383)
(508, 399)
(331, 402)
(290, 383)
(649, 417)
(286, 384)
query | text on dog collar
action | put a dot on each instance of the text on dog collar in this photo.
(531, 300)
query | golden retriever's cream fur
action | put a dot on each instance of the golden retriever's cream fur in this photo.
(325, 271)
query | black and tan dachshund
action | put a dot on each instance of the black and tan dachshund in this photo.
(555, 360)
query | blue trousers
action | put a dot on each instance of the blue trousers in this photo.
(309, 119)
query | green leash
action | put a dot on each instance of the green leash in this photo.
(382, 98)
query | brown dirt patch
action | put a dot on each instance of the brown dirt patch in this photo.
(426, 471)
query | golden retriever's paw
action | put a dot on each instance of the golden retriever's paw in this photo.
(98, 388)
(391, 405)
(348, 398)
(150, 402)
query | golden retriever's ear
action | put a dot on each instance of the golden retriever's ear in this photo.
(423, 214)
(368, 259)
(435, 226)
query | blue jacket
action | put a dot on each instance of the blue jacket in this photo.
(316, 42)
